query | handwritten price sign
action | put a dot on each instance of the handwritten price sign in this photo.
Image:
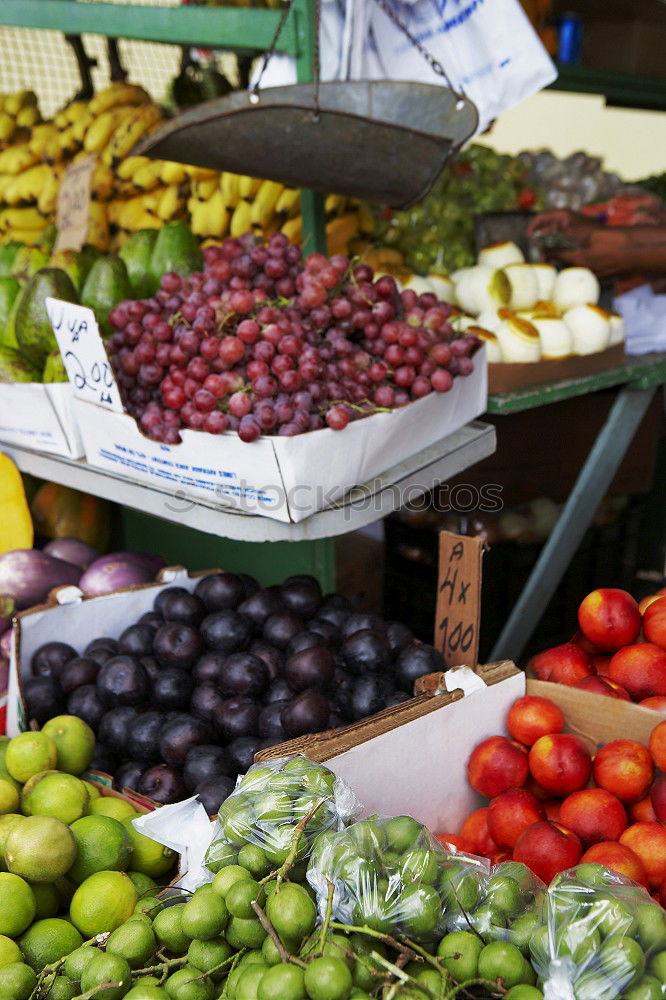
(82, 349)
(458, 599)
(73, 205)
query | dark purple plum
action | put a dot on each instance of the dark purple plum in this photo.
(366, 652)
(213, 792)
(178, 605)
(137, 640)
(335, 721)
(238, 717)
(250, 585)
(259, 607)
(368, 695)
(413, 662)
(206, 763)
(43, 699)
(313, 667)
(279, 690)
(396, 698)
(301, 595)
(153, 619)
(163, 784)
(398, 636)
(165, 595)
(206, 702)
(281, 628)
(244, 675)
(242, 751)
(101, 642)
(128, 776)
(334, 616)
(209, 668)
(151, 666)
(178, 738)
(100, 654)
(50, 658)
(303, 640)
(326, 631)
(309, 712)
(87, 704)
(177, 645)
(271, 655)
(114, 728)
(79, 671)
(357, 622)
(221, 592)
(123, 681)
(270, 721)
(103, 759)
(226, 631)
(336, 601)
(340, 692)
(172, 688)
(143, 742)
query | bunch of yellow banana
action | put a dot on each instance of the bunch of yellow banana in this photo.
(18, 113)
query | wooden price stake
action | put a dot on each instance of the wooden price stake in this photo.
(72, 215)
(458, 599)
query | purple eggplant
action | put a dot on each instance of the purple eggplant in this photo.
(116, 572)
(27, 576)
(72, 550)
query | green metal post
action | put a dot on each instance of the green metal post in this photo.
(312, 202)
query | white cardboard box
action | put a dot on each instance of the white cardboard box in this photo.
(71, 617)
(283, 478)
(39, 416)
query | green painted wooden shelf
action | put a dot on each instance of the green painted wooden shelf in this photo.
(624, 89)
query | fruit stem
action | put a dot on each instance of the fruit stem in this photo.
(400, 974)
(431, 959)
(330, 889)
(166, 964)
(54, 967)
(97, 989)
(299, 829)
(272, 933)
(404, 949)
(236, 959)
(494, 988)
(218, 968)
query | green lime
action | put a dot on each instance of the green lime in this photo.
(40, 849)
(219, 855)
(115, 807)
(9, 951)
(368, 837)
(402, 833)
(249, 980)
(254, 859)
(292, 912)
(146, 991)
(419, 865)
(47, 899)
(578, 941)
(17, 905)
(207, 955)
(9, 796)
(244, 933)
(134, 941)
(6, 823)
(205, 915)
(150, 905)
(94, 791)
(523, 929)
(622, 959)
(103, 902)
(4, 773)
(142, 883)
(187, 984)
(239, 898)
(419, 910)
(63, 988)
(59, 795)
(148, 857)
(17, 981)
(79, 960)
(47, 941)
(459, 953)
(103, 844)
(459, 888)
(328, 979)
(650, 925)
(270, 951)
(105, 968)
(282, 982)
(647, 988)
(658, 966)
(503, 892)
(430, 979)
(28, 753)
(372, 910)
(65, 890)
(502, 961)
(228, 876)
(74, 740)
(335, 946)
(168, 927)
(364, 964)
(523, 992)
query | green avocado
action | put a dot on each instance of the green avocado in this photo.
(54, 369)
(48, 238)
(7, 254)
(9, 289)
(27, 261)
(34, 335)
(136, 254)
(73, 264)
(176, 249)
(107, 284)
(14, 368)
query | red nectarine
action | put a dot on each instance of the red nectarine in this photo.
(657, 703)
(609, 618)
(642, 811)
(640, 669)
(475, 835)
(560, 763)
(658, 798)
(496, 765)
(531, 717)
(563, 664)
(648, 841)
(658, 745)
(511, 813)
(604, 686)
(654, 622)
(594, 815)
(619, 858)
(547, 848)
(625, 768)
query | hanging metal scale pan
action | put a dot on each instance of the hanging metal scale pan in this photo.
(381, 140)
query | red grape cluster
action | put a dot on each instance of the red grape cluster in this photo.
(261, 342)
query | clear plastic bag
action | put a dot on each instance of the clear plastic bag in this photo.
(391, 875)
(603, 937)
(257, 823)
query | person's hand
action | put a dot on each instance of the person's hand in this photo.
(601, 248)
(562, 221)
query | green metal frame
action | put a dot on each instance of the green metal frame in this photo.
(623, 89)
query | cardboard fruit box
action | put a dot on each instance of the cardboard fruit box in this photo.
(412, 759)
(71, 617)
(39, 416)
(507, 377)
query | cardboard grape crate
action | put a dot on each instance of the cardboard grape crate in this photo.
(39, 417)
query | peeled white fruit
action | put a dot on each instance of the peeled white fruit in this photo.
(524, 289)
(501, 254)
(482, 288)
(491, 319)
(493, 350)
(555, 336)
(575, 286)
(616, 329)
(417, 284)
(443, 287)
(590, 328)
(545, 275)
(455, 276)
(519, 340)
(461, 322)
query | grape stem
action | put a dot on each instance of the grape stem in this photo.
(285, 956)
(330, 889)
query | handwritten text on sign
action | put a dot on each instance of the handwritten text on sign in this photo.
(458, 599)
(72, 215)
(88, 367)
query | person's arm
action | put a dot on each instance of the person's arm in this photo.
(606, 250)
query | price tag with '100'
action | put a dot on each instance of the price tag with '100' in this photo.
(88, 367)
